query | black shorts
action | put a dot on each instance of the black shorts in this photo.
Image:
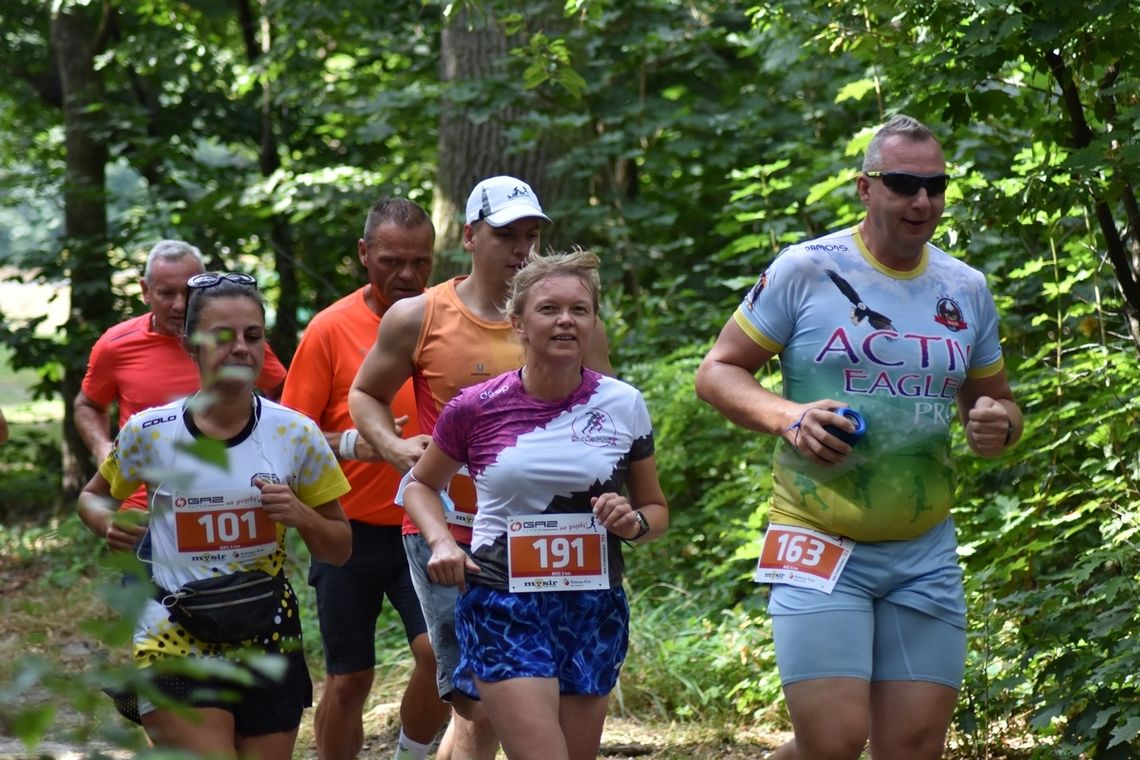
(349, 598)
(267, 706)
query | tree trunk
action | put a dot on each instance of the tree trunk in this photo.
(85, 212)
(256, 34)
(473, 52)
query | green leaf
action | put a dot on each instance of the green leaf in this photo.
(1127, 732)
(30, 724)
(855, 90)
(207, 450)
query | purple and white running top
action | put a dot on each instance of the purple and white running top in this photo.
(533, 457)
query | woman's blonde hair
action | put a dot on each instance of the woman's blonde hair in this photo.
(578, 263)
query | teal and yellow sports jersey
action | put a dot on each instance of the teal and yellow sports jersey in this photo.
(896, 347)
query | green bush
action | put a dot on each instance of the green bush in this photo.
(692, 660)
(30, 472)
(700, 644)
(1049, 542)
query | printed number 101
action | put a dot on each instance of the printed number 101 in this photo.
(793, 551)
(561, 550)
(228, 526)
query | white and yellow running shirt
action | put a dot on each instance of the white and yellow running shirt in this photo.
(205, 511)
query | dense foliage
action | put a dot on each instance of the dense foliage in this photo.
(696, 139)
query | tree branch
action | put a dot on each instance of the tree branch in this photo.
(1082, 138)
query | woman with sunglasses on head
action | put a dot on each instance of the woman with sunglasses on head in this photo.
(553, 449)
(226, 473)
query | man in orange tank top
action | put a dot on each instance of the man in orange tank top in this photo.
(453, 336)
(396, 253)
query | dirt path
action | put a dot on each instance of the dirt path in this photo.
(623, 738)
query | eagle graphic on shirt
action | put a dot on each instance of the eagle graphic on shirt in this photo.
(860, 310)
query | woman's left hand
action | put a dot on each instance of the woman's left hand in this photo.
(616, 514)
(282, 505)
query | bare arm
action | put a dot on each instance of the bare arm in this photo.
(324, 528)
(309, 388)
(992, 419)
(93, 422)
(98, 510)
(645, 495)
(361, 449)
(384, 371)
(597, 355)
(726, 380)
(449, 564)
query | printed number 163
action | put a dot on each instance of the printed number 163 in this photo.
(793, 549)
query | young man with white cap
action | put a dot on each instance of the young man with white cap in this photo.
(453, 336)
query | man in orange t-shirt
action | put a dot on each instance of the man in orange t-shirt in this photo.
(396, 252)
(142, 363)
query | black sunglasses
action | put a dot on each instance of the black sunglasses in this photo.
(905, 183)
(210, 279)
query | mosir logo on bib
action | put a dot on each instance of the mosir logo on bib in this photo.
(802, 557)
(564, 552)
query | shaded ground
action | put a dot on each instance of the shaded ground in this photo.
(31, 626)
(623, 738)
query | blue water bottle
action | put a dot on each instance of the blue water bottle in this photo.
(860, 427)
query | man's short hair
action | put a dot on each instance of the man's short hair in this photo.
(900, 125)
(170, 250)
(398, 211)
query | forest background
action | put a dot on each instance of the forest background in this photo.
(686, 143)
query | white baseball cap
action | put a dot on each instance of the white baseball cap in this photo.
(498, 201)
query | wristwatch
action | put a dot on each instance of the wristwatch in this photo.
(642, 524)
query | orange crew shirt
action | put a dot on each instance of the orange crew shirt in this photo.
(328, 357)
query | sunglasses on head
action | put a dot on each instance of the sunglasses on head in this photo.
(905, 183)
(210, 279)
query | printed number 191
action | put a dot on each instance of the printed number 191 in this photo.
(560, 551)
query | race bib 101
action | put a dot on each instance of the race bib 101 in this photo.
(224, 525)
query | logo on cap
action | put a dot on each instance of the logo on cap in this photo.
(486, 211)
(502, 200)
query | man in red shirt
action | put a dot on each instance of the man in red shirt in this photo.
(396, 253)
(142, 363)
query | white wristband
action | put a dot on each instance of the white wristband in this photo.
(347, 448)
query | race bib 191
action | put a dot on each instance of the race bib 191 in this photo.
(565, 552)
(802, 557)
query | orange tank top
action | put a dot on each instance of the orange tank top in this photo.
(456, 349)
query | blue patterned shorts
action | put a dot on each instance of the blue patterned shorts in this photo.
(578, 637)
